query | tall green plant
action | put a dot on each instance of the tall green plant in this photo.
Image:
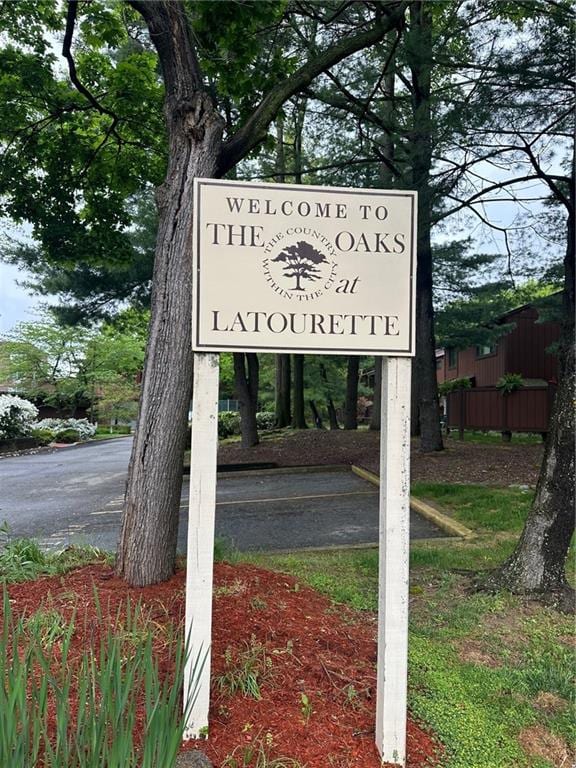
(509, 383)
(109, 682)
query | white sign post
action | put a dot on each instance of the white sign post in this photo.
(392, 663)
(313, 270)
(200, 543)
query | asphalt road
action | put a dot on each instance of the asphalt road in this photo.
(53, 496)
(74, 495)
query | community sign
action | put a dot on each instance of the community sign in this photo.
(296, 268)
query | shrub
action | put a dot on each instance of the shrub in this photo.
(265, 419)
(59, 429)
(452, 385)
(228, 423)
(16, 416)
(67, 436)
(509, 383)
(109, 679)
(43, 436)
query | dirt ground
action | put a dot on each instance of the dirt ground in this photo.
(460, 462)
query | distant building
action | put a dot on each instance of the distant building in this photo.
(525, 350)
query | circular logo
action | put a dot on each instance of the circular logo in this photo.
(299, 263)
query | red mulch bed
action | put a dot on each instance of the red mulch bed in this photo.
(460, 462)
(316, 650)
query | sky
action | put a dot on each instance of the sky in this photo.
(16, 303)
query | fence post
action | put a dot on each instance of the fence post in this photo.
(506, 434)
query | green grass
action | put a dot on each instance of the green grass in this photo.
(478, 711)
(477, 555)
(346, 576)
(22, 559)
(478, 506)
(472, 707)
(477, 705)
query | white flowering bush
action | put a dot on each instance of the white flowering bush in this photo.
(16, 416)
(68, 428)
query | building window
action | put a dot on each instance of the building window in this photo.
(482, 350)
(452, 357)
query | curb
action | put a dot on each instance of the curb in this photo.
(109, 439)
(84, 443)
(445, 523)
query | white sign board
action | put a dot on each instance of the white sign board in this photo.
(294, 268)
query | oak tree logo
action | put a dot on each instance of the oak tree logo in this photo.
(302, 270)
(301, 263)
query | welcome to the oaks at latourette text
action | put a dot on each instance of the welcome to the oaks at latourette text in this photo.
(344, 241)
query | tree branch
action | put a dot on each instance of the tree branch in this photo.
(477, 197)
(548, 178)
(254, 129)
(170, 34)
(314, 169)
(360, 109)
(67, 53)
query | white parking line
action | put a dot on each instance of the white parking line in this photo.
(297, 498)
(259, 501)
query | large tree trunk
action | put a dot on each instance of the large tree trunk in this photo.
(298, 416)
(298, 419)
(537, 565)
(283, 405)
(427, 415)
(351, 401)
(147, 549)
(247, 383)
(387, 179)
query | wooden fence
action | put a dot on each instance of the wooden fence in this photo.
(486, 408)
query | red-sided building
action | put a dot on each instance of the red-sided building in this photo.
(524, 350)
